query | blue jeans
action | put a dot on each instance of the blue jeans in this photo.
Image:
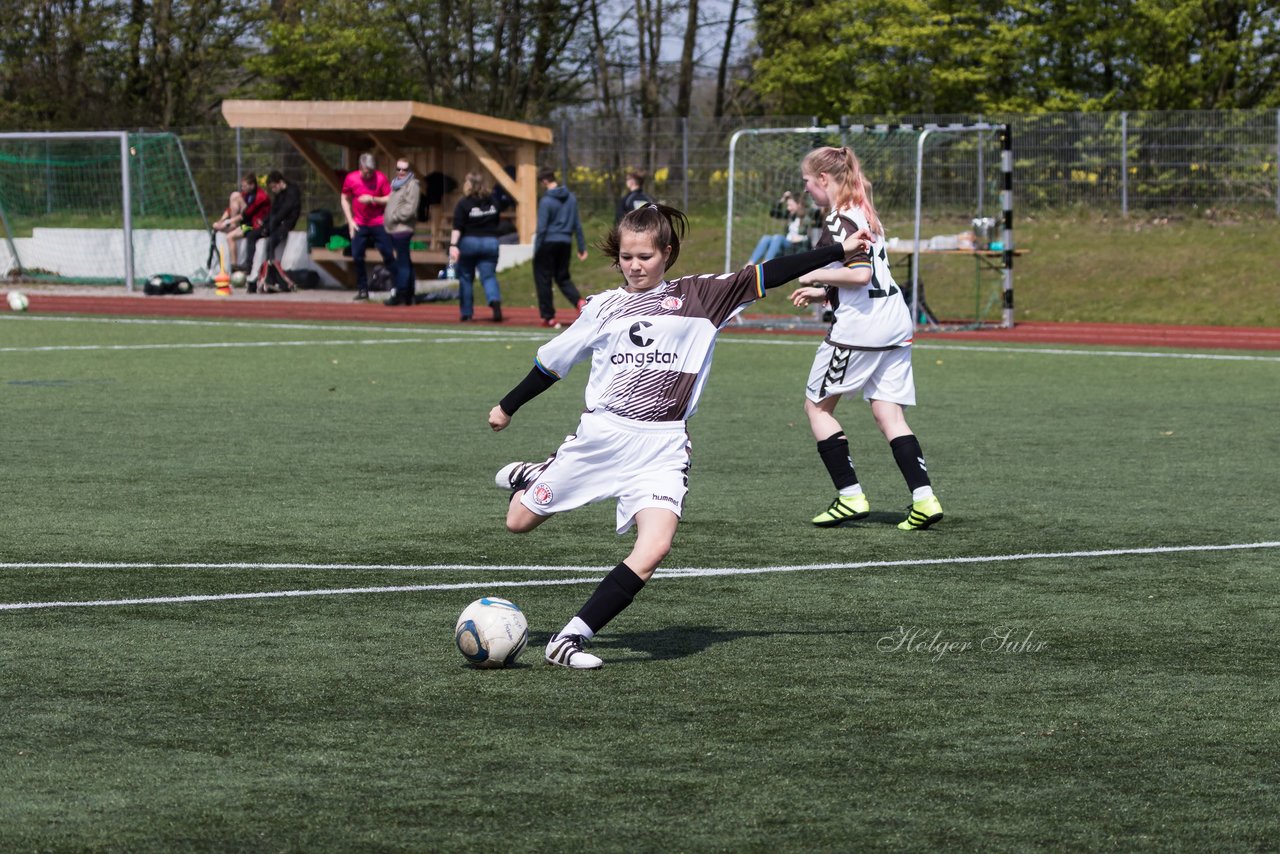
(366, 234)
(403, 270)
(477, 254)
(769, 247)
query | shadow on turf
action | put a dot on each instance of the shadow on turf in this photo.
(680, 641)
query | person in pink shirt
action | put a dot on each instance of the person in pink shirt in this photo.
(364, 199)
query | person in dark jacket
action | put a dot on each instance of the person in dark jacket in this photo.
(635, 198)
(558, 225)
(473, 246)
(286, 207)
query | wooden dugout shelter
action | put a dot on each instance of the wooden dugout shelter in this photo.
(432, 138)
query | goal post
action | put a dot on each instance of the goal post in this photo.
(98, 207)
(943, 177)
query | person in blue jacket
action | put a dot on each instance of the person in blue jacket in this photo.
(558, 226)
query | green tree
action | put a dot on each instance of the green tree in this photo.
(515, 59)
(942, 56)
(82, 64)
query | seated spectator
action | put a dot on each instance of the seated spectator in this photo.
(790, 207)
(232, 218)
(253, 221)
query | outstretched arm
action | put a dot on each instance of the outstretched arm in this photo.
(779, 271)
(535, 383)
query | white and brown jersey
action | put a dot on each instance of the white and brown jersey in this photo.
(872, 317)
(651, 350)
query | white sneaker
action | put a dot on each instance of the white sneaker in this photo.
(514, 476)
(566, 651)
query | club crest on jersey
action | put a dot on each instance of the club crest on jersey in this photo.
(542, 494)
(672, 303)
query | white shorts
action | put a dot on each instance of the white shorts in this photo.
(878, 374)
(640, 464)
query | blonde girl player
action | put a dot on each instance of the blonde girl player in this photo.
(868, 348)
(650, 342)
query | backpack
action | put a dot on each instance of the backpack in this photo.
(381, 279)
(162, 284)
(305, 278)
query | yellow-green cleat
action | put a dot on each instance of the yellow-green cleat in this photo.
(923, 513)
(846, 508)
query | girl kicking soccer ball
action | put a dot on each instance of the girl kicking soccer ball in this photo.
(650, 342)
(868, 348)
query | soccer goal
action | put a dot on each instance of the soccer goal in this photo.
(99, 208)
(944, 193)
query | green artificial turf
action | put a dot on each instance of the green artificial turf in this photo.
(1044, 669)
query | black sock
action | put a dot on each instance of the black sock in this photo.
(910, 459)
(614, 593)
(834, 451)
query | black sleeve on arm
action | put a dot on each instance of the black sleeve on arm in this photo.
(781, 270)
(534, 384)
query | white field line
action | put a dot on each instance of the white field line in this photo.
(436, 335)
(212, 345)
(673, 573)
(1020, 349)
(423, 330)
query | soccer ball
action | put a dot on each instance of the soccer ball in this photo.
(18, 301)
(491, 632)
(238, 278)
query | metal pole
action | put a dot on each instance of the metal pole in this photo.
(981, 172)
(1124, 164)
(8, 237)
(728, 228)
(915, 245)
(1006, 202)
(127, 191)
(684, 163)
(48, 178)
(564, 150)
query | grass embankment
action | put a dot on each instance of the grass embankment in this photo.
(1187, 271)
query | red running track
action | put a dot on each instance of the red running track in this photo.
(338, 306)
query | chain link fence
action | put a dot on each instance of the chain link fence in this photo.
(1141, 163)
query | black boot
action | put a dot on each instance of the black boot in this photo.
(496, 305)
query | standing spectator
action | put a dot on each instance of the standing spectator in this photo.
(286, 207)
(365, 193)
(636, 197)
(473, 245)
(558, 225)
(257, 207)
(400, 220)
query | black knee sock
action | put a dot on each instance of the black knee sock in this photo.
(614, 593)
(834, 451)
(910, 459)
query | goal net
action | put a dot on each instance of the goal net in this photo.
(99, 208)
(943, 192)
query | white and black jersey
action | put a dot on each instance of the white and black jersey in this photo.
(651, 350)
(874, 316)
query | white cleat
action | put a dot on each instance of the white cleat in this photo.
(514, 476)
(566, 651)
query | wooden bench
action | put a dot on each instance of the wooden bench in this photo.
(426, 262)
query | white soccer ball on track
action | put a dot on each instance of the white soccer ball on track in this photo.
(491, 632)
(18, 301)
